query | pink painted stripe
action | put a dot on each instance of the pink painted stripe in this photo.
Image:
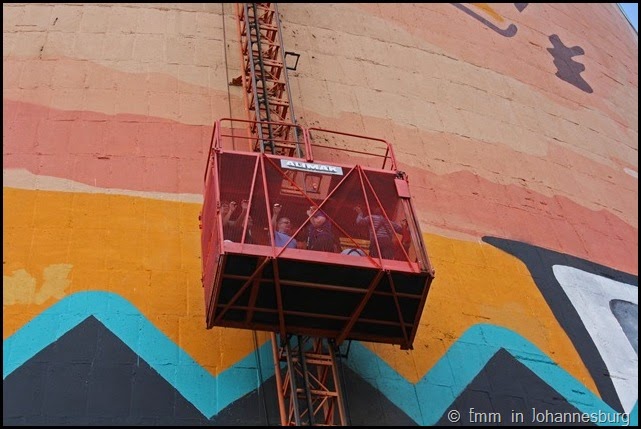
(149, 154)
(464, 202)
(110, 151)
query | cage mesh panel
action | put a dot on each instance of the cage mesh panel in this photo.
(295, 205)
(258, 210)
(292, 201)
(211, 240)
(319, 291)
(237, 175)
(381, 193)
(339, 208)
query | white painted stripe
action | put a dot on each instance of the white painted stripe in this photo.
(591, 295)
(23, 179)
(632, 173)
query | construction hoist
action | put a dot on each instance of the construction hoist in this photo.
(312, 296)
(309, 383)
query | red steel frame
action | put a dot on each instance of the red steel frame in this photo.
(309, 362)
(309, 384)
(215, 251)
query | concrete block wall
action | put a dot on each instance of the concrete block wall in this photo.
(516, 123)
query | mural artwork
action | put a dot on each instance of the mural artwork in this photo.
(526, 189)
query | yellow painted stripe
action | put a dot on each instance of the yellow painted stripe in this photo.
(477, 283)
(147, 251)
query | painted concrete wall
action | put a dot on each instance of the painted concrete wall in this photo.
(518, 127)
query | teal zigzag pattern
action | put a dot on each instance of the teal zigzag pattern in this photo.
(427, 400)
(209, 394)
(442, 384)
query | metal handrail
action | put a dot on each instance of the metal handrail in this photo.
(308, 144)
(389, 153)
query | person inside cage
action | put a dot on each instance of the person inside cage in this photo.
(382, 231)
(282, 229)
(320, 234)
(226, 210)
(406, 240)
(233, 225)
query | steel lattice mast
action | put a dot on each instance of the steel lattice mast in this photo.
(308, 383)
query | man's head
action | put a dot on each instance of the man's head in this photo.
(284, 225)
(224, 207)
(319, 218)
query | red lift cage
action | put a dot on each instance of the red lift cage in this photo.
(360, 286)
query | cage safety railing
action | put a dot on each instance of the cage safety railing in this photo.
(329, 249)
(258, 190)
(330, 145)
